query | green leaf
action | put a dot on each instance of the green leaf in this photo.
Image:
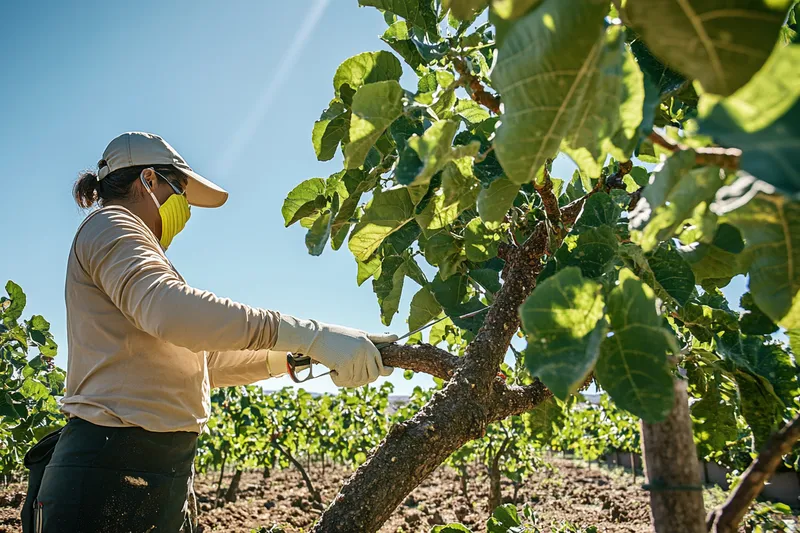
(664, 79)
(633, 365)
(34, 390)
(375, 106)
(716, 263)
(388, 287)
(451, 292)
(458, 193)
(770, 225)
(303, 200)
(761, 408)
(720, 44)
(480, 243)
(562, 320)
(598, 210)
(329, 130)
(544, 68)
(435, 149)
(504, 519)
(367, 269)
(369, 67)
(398, 36)
(418, 13)
(771, 154)
(471, 111)
(714, 421)
(512, 9)
(765, 98)
(464, 9)
(388, 212)
(611, 112)
(543, 422)
(488, 278)
(317, 237)
(676, 191)
(495, 201)
(424, 308)
(451, 528)
(753, 321)
(672, 272)
(595, 251)
(766, 359)
(13, 311)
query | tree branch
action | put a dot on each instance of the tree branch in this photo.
(423, 358)
(726, 518)
(476, 90)
(515, 400)
(549, 200)
(727, 158)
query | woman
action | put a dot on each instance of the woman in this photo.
(145, 348)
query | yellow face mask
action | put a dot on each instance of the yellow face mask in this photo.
(175, 213)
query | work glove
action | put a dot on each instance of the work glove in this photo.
(349, 353)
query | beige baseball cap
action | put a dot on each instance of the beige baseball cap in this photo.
(136, 148)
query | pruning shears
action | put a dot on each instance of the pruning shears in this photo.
(297, 363)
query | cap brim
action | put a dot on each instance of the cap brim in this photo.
(201, 192)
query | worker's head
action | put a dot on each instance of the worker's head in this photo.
(143, 173)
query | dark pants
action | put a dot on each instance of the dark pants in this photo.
(116, 480)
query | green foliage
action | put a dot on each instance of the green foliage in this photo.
(720, 48)
(29, 380)
(562, 319)
(444, 181)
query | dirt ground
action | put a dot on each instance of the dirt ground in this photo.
(569, 491)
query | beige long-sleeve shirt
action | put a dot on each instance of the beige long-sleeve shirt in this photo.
(144, 347)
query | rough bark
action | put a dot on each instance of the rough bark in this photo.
(472, 398)
(673, 473)
(726, 518)
(232, 494)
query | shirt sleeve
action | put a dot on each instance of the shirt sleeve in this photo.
(243, 367)
(125, 261)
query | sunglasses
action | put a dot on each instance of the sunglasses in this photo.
(176, 188)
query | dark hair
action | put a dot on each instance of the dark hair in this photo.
(88, 191)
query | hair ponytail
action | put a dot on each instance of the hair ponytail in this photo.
(85, 190)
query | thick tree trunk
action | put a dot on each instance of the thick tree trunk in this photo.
(673, 473)
(231, 494)
(473, 398)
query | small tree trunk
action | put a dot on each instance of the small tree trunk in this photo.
(670, 460)
(219, 481)
(232, 494)
(309, 485)
(462, 469)
(495, 492)
(265, 473)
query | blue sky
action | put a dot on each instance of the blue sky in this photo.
(235, 88)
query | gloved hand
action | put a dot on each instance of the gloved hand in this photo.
(349, 353)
